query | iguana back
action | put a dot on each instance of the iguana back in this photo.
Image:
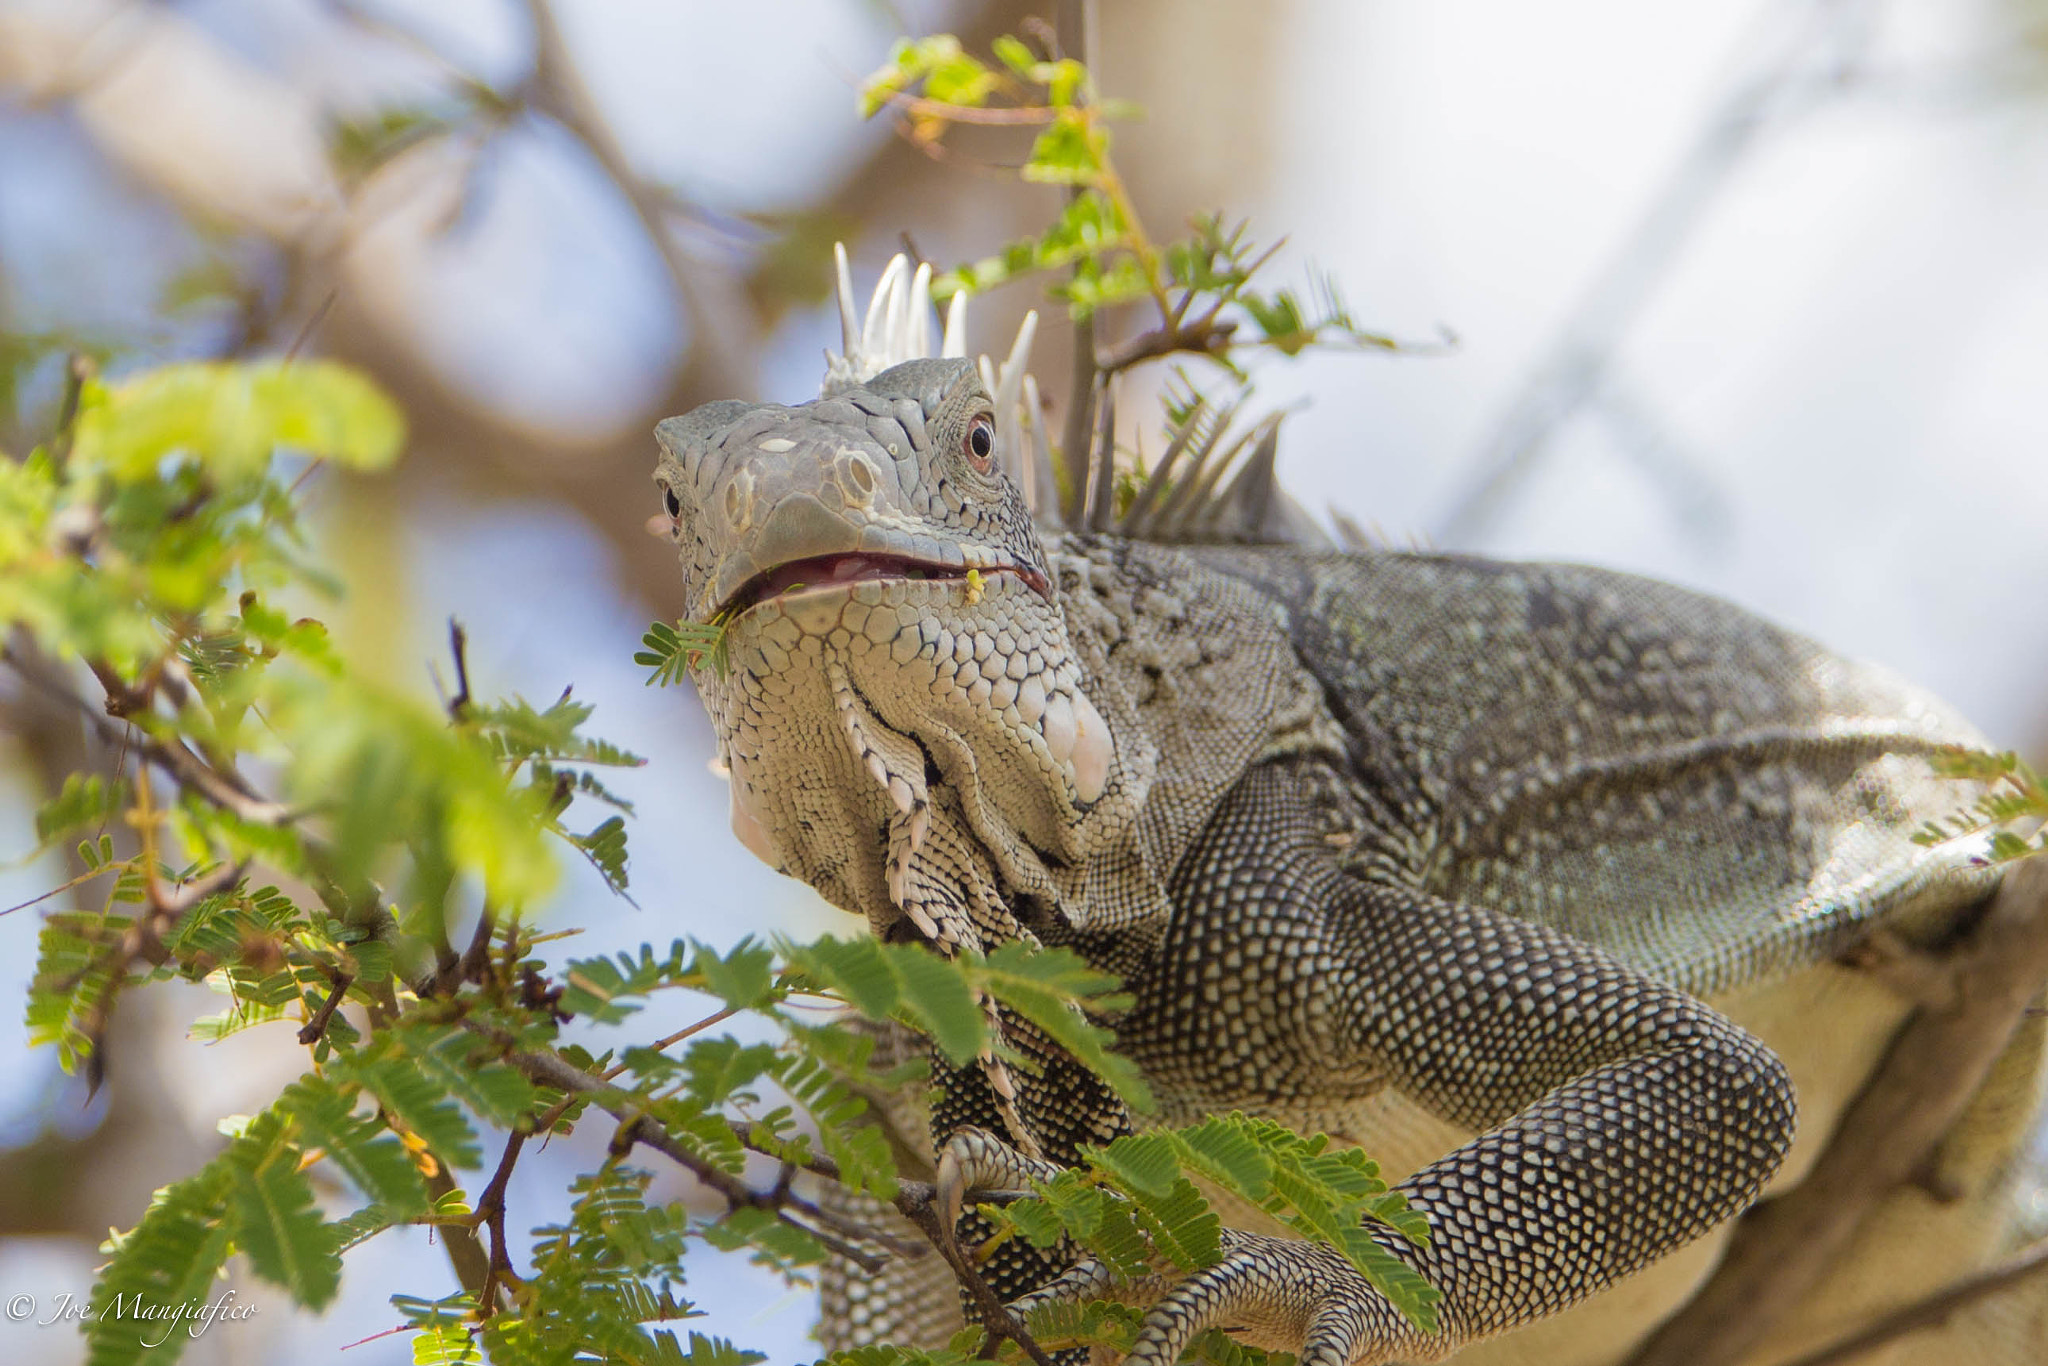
(1700, 792)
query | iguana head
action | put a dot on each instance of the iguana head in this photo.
(895, 657)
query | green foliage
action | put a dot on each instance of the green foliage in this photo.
(1134, 1202)
(170, 1258)
(227, 419)
(673, 651)
(1201, 284)
(2014, 795)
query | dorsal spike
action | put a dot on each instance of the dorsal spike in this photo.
(953, 345)
(918, 333)
(1242, 508)
(1102, 463)
(1187, 493)
(1041, 491)
(874, 332)
(849, 316)
(1350, 535)
(1009, 387)
(1135, 519)
(1205, 487)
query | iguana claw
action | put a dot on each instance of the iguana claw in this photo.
(976, 1160)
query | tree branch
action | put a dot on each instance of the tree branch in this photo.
(1932, 1311)
(1783, 1248)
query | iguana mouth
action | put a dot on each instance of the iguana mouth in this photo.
(846, 567)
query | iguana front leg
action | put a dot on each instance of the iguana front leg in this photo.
(1619, 1117)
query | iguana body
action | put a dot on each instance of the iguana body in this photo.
(1439, 855)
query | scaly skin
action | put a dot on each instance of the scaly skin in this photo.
(1476, 839)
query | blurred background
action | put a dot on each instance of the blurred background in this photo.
(1749, 294)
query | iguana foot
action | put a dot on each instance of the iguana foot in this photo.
(1275, 1293)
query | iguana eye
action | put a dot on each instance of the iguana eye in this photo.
(673, 503)
(980, 443)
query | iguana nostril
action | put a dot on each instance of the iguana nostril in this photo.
(739, 502)
(859, 481)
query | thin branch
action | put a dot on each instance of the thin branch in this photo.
(476, 959)
(834, 1231)
(1932, 1311)
(968, 113)
(1204, 336)
(82, 878)
(673, 1039)
(490, 1212)
(184, 767)
(458, 646)
(317, 1026)
(1782, 1249)
(311, 325)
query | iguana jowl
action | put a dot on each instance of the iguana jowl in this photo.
(1373, 839)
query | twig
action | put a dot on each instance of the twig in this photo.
(1932, 1311)
(84, 877)
(832, 1230)
(968, 113)
(312, 1030)
(490, 1212)
(184, 767)
(996, 1317)
(458, 645)
(78, 369)
(1781, 1249)
(673, 1039)
(1205, 336)
(313, 321)
(476, 959)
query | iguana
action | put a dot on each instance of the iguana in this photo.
(1530, 879)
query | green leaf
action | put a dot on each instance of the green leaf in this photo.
(708, 1351)
(450, 1058)
(940, 996)
(374, 1160)
(230, 416)
(417, 1103)
(170, 1258)
(605, 847)
(1048, 988)
(601, 988)
(721, 1068)
(672, 651)
(447, 1345)
(743, 977)
(1069, 152)
(85, 800)
(277, 1224)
